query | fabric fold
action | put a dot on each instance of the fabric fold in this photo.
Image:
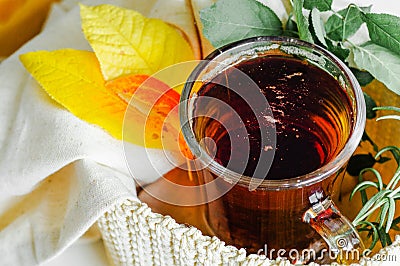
(59, 210)
(59, 174)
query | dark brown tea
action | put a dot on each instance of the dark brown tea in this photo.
(310, 115)
(309, 112)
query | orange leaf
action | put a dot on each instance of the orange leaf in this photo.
(158, 103)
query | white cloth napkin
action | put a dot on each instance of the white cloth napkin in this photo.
(58, 174)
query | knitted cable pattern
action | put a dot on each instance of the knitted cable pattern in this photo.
(134, 235)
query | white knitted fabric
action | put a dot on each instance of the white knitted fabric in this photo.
(134, 235)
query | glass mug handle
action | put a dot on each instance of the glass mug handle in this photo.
(337, 231)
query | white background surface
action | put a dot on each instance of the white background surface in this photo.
(93, 253)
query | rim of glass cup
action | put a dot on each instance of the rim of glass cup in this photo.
(321, 173)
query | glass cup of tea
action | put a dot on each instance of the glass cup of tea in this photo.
(272, 123)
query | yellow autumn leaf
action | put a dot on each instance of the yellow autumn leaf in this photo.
(125, 42)
(139, 108)
(73, 79)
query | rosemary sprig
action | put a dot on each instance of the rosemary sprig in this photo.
(388, 108)
(377, 214)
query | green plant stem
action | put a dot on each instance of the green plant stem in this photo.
(367, 214)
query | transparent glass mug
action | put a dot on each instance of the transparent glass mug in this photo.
(255, 213)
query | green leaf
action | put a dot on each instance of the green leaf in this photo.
(370, 105)
(362, 186)
(392, 211)
(372, 205)
(377, 175)
(302, 22)
(363, 77)
(388, 108)
(334, 27)
(382, 215)
(384, 30)
(382, 159)
(338, 50)
(291, 29)
(395, 227)
(318, 26)
(395, 222)
(365, 137)
(358, 162)
(227, 21)
(343, 25)
(383, 64)
(321, 5)
(396, 117)
(395, 151)
(383, 237)
(375, 235)
(373, 201)
(388, 239)
(363, 193)
(396, 196)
